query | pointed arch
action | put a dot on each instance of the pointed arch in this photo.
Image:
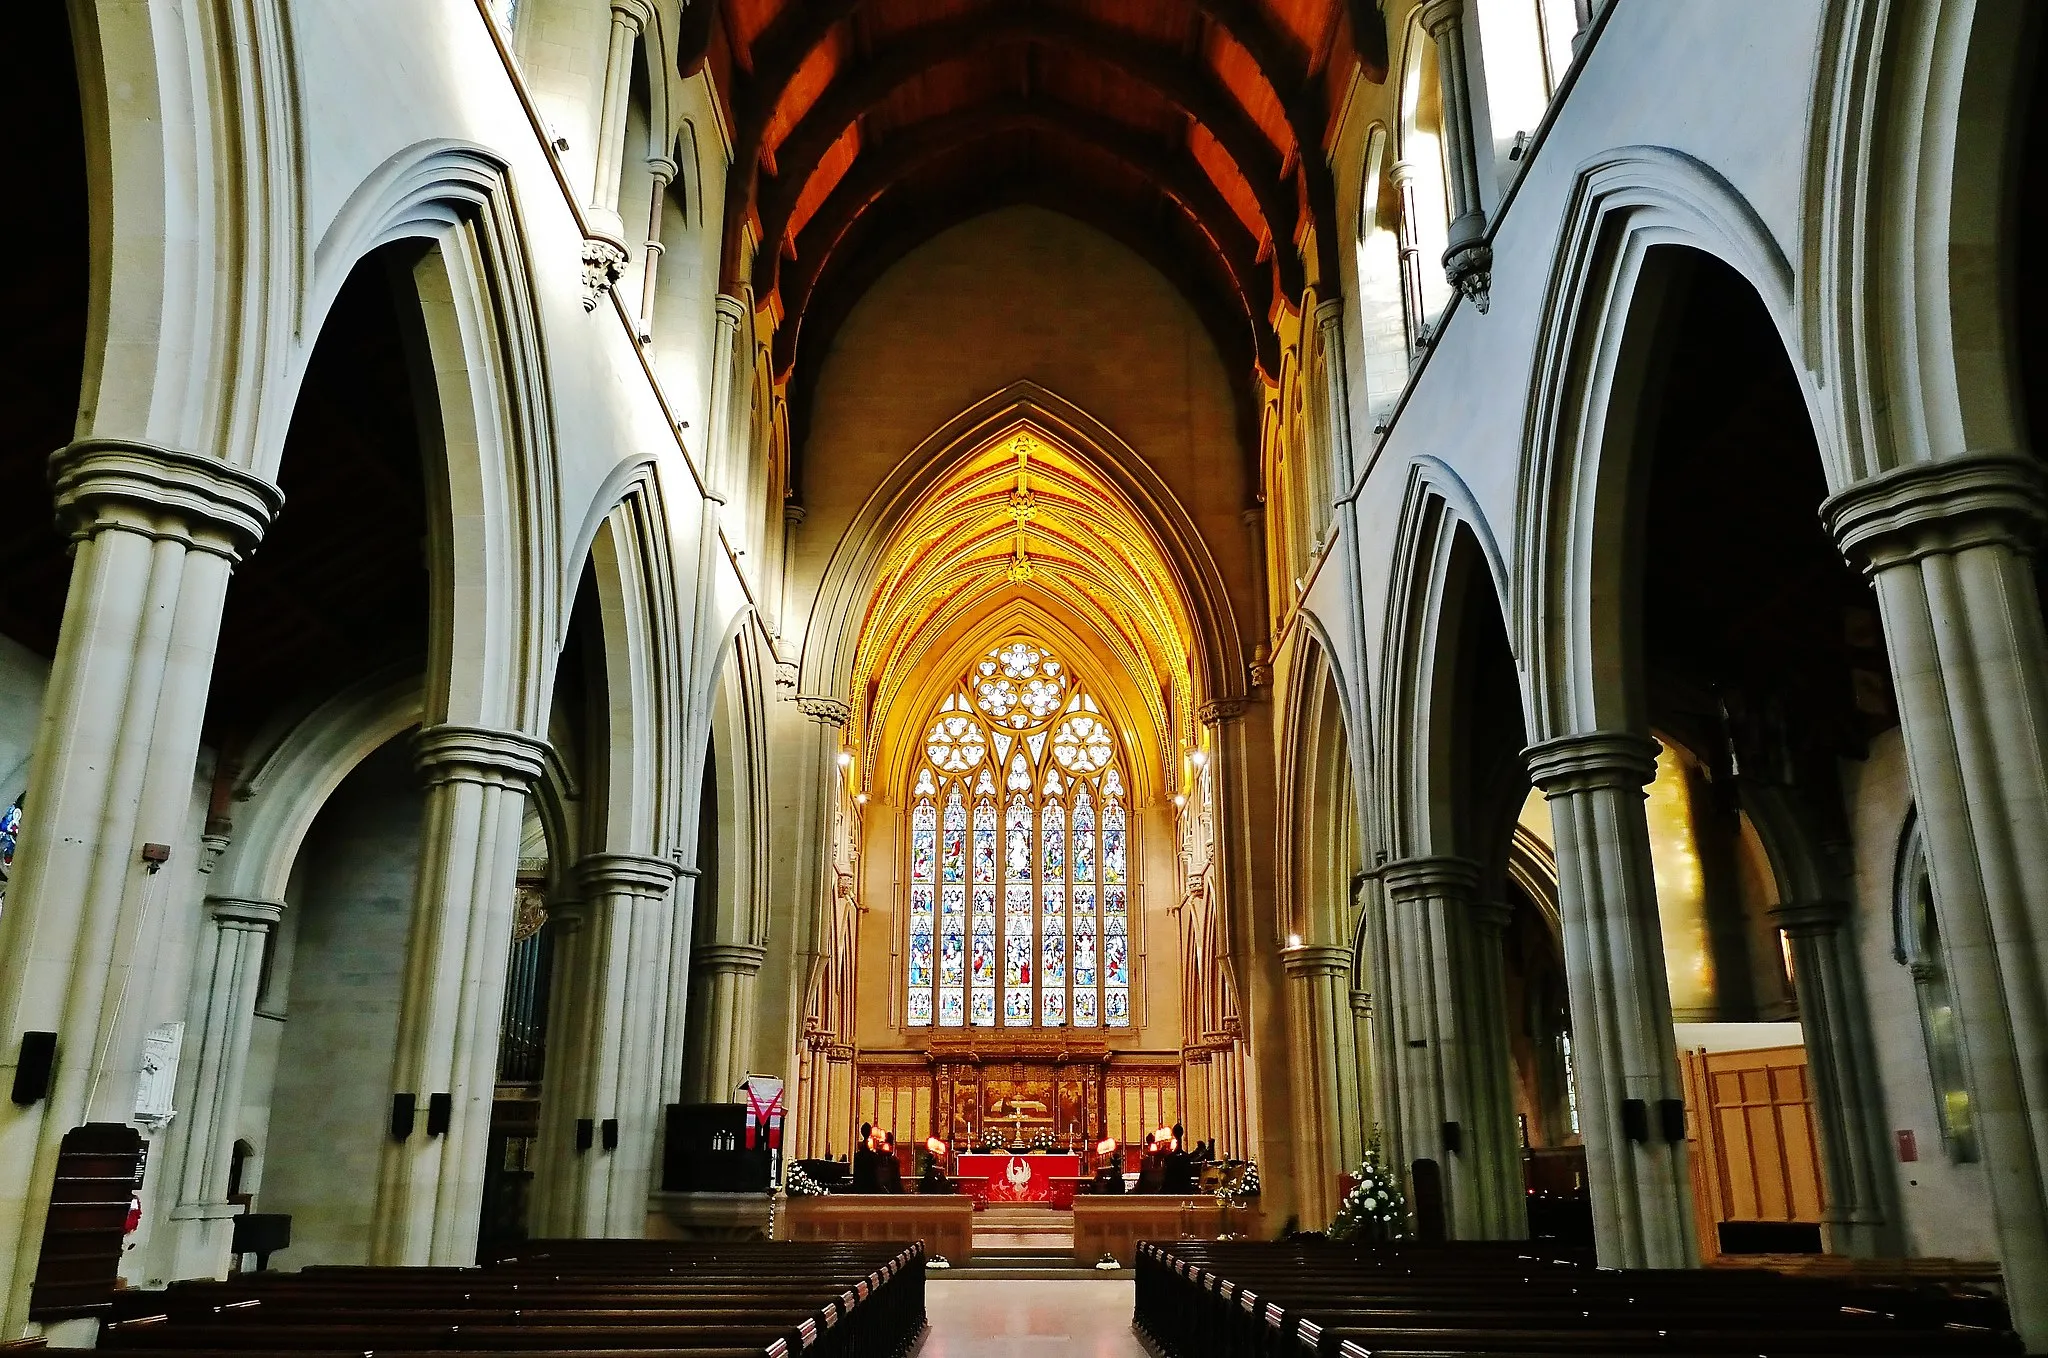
(1589, 371)
(488, 424)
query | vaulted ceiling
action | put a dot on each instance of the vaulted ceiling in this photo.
(864, 127)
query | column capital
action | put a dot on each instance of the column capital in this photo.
(1330, 311)
(1810, 919)
(452, 753)
(728, 309)
(1361, 1003)
(1947, 505)
(252, 913)
(1591, 760)
(635, 873)
(663, 169)
(1490, 916)
(742, 958)
(1217, 711)
(1316, 959)
(1437, 874)
(204, 502)
(793, 513)
(636, 13)
(1438, 15)
(824, 709)
(1401, 172)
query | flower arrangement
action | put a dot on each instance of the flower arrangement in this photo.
(799, 1183)
(1375, 1209)
(1247, 1186)
(992, 1140)
(1045, 1141)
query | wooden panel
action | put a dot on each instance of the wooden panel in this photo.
(97, 1170)
(945, 1224)
(1115, 1225)
(1755, 1148)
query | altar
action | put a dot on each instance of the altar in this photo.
(1020, 1178)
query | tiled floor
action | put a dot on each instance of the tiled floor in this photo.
(1024, 1319)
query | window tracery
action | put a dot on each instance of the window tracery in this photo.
(1019, 854)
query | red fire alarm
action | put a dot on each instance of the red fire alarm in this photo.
(1909, 1146)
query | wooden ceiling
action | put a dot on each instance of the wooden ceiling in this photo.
(864, 127)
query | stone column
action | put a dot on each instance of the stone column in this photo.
(663, 171)
(1362, 1049)
(224, 993)
(1468, 259)
(724, 975)
(1841, 1066)
(628, 18)
(1625, 1053)
(612, 1069)
(722, 459)
(1494, 1136)
(556, 1207)
(1409, 241)
(430, 1183)
(156, 534)
(1448, 1040)
(1948, 545)
(1317, 974)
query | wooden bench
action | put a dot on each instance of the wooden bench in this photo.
(1205, 1299)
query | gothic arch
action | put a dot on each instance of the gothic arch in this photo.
(495, 550)
(1610, 275)
(833, 638)
(1443, 536)
(1904, 257)
(184, 291)
(293, 772)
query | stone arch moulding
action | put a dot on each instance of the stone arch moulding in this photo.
(832, 637)
(1436, 506)
(1909, 160)
(641, 635)
(298, 769)
(1317, 716)
(1355, 698)
(172, 272)
(1587, 375)
(495, 616)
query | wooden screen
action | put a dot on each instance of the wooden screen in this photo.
(1755, 1149)
(1139, 1099)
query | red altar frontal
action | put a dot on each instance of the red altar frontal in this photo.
(999, 1177)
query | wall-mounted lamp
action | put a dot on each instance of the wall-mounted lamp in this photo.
(1199, 758)
(1294, 940)
(860, 799)
(845, 759)
(1179, 800)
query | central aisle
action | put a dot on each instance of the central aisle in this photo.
(1025, 1319)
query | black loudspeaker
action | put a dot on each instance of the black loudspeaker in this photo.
(402, 1106)
(262, 1234)
(610, 1131)
(1454, 1139)
(440, 1109)
(586, 1133)
(1671, 1119)
(32, 1073)
(1635, 1120)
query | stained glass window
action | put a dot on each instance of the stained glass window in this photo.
(1025, 922)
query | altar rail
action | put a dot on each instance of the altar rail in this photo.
(1115, 1225)
(944, 1224)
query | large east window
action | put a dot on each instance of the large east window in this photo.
(1020, 847)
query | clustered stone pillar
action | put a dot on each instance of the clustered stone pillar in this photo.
(225, 986)
(1317, 976)
(604, 250)
(1948, 545)
(1625, 1054)
(1840, 1068)
(430, 1181)
(1362, 1047)
(723, 451)
(610, 1069)
(156, 534)
(1468, 259)
(1449, 1042)
(724, 974)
